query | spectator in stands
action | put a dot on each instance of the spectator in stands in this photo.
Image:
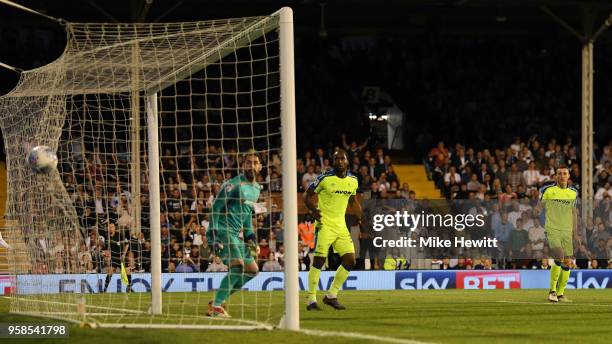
(532, 175)
(216, 265)
(439, 154)
(279, 255)
(353, 149)
(264, 249)
(502, 231)
(537, 236)
(308, 177)
(271, 264)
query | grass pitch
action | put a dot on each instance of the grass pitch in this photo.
(422, 316)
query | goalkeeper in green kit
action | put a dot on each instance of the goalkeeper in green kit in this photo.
(232, 212)
(559, 201)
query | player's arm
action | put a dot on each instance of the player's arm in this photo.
(249, 234)
(126, 246)
(344, 144)
(576, 224)
(356, 207)
(218, 208)
(365, 143)
(308, 196)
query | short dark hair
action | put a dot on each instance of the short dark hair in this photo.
(341, 151)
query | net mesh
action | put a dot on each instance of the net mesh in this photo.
(216, 84)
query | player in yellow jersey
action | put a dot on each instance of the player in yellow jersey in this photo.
(335, 190)
(559, 202)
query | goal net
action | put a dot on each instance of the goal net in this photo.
(148, 120)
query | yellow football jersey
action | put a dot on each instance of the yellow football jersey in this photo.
(334, 194)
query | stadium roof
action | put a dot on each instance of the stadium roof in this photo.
(347, 17)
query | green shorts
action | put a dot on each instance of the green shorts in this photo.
(561, 239)
(234, 248)
(339, 238)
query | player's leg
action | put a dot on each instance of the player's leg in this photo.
(109, 269)
(344, 246)
(247, 272)
(568, 252)
(231, 255)
(323, 240)
(109, 275)
(556, 250)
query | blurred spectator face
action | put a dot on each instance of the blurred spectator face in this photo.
(374, 186)
(487, 178)
(412, 195)
(504, 217)
(601, 244)
(311, 169)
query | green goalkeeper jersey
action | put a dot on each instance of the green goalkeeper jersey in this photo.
(559, 204)
(233, 207)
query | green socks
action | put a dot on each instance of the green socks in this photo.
(555, 273)
(231, 283)
(565, 273)
(341, 276)
(313, 283)
(240, 281)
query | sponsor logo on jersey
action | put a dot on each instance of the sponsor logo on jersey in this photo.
(342, 192)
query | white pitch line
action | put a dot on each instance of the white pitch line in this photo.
(555, 303)
(355, 335)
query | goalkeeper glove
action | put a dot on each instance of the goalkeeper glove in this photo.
(216, 246)
(251, 242)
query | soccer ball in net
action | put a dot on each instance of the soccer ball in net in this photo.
(42, 159)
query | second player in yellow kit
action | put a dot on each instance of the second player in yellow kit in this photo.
(336, 190)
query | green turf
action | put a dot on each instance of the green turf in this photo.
(451, 316)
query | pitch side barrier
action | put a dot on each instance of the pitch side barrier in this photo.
(358, 280)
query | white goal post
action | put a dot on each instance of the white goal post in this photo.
(148, 119)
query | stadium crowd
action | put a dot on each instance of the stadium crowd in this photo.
(98, 187)
(507, 181)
